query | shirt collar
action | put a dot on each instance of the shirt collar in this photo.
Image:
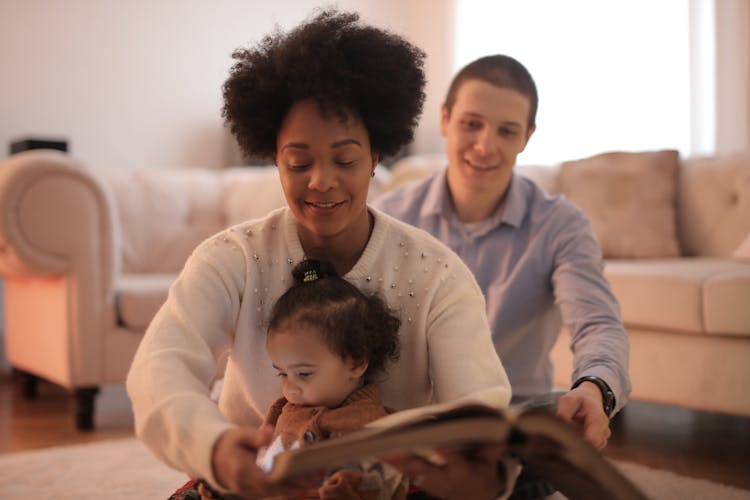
(438, 201)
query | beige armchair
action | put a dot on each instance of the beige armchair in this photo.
(58, 279)
(87, 258)
(88, 255)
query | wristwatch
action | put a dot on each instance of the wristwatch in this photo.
(608, 397)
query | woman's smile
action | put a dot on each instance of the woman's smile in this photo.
(324, 207)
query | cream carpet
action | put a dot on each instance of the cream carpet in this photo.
(124, 469)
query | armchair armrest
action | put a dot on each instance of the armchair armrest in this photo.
(57, 253)
(54, 216)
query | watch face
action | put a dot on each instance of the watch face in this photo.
(609, 403)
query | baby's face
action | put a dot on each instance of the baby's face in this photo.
(310, 373)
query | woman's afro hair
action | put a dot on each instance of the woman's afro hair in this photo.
(348, 67)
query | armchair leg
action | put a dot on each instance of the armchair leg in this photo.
(29, 383)
(85, 407)
(30, 386)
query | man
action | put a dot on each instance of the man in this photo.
(535, 257)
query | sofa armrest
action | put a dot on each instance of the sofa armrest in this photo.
(55, 218)
(57, 254)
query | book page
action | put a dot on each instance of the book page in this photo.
(465, 406)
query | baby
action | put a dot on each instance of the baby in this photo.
(328, 342)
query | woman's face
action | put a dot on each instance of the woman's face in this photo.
(310, 373)
(485, 131)
(325, 166)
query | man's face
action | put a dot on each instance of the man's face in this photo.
(485, 131)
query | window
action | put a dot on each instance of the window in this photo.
(611, 75)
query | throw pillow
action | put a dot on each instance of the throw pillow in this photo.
(630, 199)
(253, 195)
(743, 251)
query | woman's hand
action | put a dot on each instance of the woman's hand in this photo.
(583, 405)
(233, 462)
(475, 475)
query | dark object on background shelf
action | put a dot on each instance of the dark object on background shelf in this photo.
(37, 143)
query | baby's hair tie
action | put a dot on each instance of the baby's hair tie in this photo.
(310, 275)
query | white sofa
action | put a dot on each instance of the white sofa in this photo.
(685, 298)
(87, 255)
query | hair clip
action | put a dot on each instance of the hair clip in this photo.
(310, 275)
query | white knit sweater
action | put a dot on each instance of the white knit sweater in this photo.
(218, 310)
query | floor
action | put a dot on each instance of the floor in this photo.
(691, 443)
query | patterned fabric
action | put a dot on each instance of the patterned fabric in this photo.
(195, 489)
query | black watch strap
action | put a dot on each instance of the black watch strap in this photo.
(608, 397)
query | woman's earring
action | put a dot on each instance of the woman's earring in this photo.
(373, 174)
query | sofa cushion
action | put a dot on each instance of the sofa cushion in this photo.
(691, 295)
(726, 302)
(250, 193)
(163, 214)
(414, 168)
(545, 176)
(630, 199)
(714, 204)
(138, 297)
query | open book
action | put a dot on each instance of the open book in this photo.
(553, 448)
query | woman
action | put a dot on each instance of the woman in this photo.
(326, 101)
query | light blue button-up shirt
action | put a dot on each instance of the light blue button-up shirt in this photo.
(539, 265)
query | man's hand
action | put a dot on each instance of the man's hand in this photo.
(233, 462)
(583, 405)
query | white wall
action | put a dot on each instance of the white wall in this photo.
(138, 82)
(431, 27)
(732, 75)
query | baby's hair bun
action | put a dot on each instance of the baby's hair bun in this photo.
(311, 270)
